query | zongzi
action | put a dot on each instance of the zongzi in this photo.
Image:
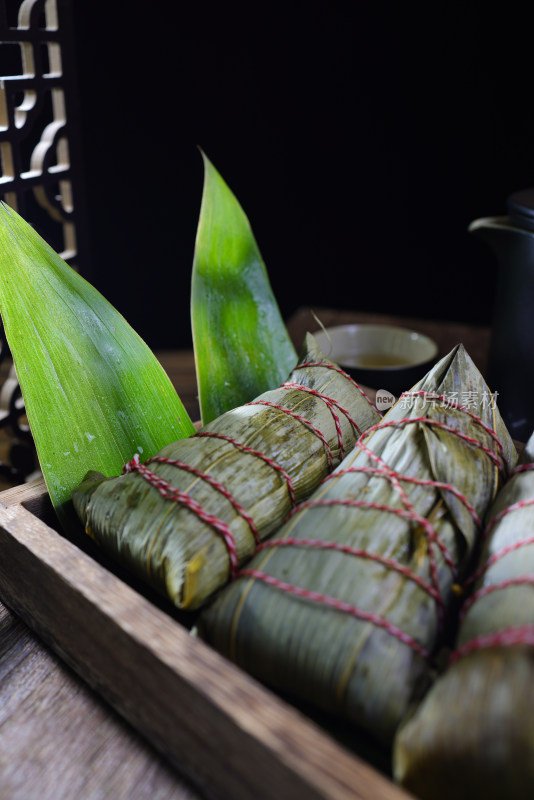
(344, 607)
(473, 736)
(187, 519)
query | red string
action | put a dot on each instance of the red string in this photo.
(332, 404)
(522, 468)
(353, 551)
(175, 495)
(474, 417)
(380, 473)
(246, 449)
(339, 605)
(346, 375)
(505, 550)
(176, 462)
(522, 634)
(406, 511)
(432, 423)
(524, 580)
(304, 421)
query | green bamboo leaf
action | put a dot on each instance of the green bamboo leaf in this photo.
(94, 393)
(242, 347)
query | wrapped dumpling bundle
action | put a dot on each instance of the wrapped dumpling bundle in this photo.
(186, 519)
(345, 606)
(473, 736)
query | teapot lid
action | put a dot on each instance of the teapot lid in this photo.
(521, 208)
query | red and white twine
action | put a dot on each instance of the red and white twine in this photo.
(335, 368)
(169, 492)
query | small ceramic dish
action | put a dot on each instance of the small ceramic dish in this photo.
(379, 356)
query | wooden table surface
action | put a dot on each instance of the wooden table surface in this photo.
(58, 739)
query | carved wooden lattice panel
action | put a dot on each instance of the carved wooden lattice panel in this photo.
(36, 175)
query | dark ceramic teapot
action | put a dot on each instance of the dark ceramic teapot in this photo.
(511, 358)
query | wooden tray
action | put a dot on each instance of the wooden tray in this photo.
(221, 728)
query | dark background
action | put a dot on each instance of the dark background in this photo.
(360, 138)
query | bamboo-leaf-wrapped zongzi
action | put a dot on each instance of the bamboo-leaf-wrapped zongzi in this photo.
(187, 519)
(345, 605)
(473, 736)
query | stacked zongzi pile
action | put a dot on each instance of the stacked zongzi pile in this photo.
(187, 519)
(346, 604)
(473, 736)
